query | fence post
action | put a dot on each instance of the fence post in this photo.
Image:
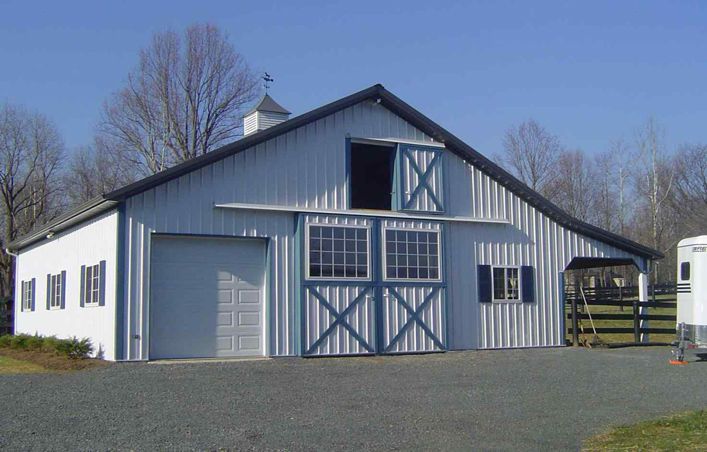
(575, 323)
(636, 323)
(643, 297)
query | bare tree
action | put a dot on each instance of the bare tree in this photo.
(30, 153)
(573, 184)
(95, 170)
(654, 174)
(530, 153)
(185, 98)
(690, 198)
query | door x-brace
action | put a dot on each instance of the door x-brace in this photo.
(414, 318)
(339, 319)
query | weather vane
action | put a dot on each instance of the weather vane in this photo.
(267, 80)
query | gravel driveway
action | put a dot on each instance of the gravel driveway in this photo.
(511, 399)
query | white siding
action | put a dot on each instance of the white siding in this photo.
(531, 238)
(87, 244)
(305, 168)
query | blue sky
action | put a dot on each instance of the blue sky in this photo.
(590, 72)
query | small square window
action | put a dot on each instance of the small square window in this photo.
(506, 284)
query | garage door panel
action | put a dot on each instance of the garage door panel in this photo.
(205, 308)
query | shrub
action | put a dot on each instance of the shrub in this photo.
(73, 348)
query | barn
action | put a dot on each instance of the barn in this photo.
(360, 227)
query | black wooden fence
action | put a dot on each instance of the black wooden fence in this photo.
(660, 296)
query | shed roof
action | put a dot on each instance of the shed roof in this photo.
(267, 103)
(398, 106)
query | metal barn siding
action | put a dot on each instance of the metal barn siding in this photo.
(305, 167)
(89, 243)
(531, 238)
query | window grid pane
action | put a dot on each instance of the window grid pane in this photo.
(338, 252)
(411, 254)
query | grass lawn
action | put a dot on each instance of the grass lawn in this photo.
(16, 366)
(686, 431)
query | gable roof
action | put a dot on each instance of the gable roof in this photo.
(408, 113)
(267, 103)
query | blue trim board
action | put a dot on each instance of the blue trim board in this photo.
(299, 288)
(120, 328)
(269, 301)
(347, 157)
(563, 310)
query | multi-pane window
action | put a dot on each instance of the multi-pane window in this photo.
(338, 252)
(411, 254)
(27, 295)
(506, 284)
(56, 284)
(92, 291)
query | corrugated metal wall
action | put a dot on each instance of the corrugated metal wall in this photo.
(531, 238)
(307, 168)
(303, 168)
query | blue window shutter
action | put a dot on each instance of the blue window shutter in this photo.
(83, 286)
(527, 280)
(49, 291)
(484, 281)
(63, 289)
(102, 285)
(34, 287)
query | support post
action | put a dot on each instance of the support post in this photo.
(575, 323)
(643, 297)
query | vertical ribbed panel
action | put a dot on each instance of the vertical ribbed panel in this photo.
(305, 167)
(396, 321)
(531, 239)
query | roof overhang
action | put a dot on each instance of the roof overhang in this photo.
(85, 211)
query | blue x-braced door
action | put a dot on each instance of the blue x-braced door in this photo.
(419, 175)
(371, 286)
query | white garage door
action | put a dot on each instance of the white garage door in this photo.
(206, 297)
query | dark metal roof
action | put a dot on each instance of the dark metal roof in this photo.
(267, 103)
(417, 119)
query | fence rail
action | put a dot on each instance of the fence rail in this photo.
(620, 297)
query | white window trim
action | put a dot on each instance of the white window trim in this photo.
(88, 298)
(27, 295)
(385, 254)
(493, 285)
(338, 278)
(54, 296)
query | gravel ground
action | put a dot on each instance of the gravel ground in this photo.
(536, 399)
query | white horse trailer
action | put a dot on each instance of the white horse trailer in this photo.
(692, 295)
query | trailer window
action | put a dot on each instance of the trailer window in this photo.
(685, 271)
